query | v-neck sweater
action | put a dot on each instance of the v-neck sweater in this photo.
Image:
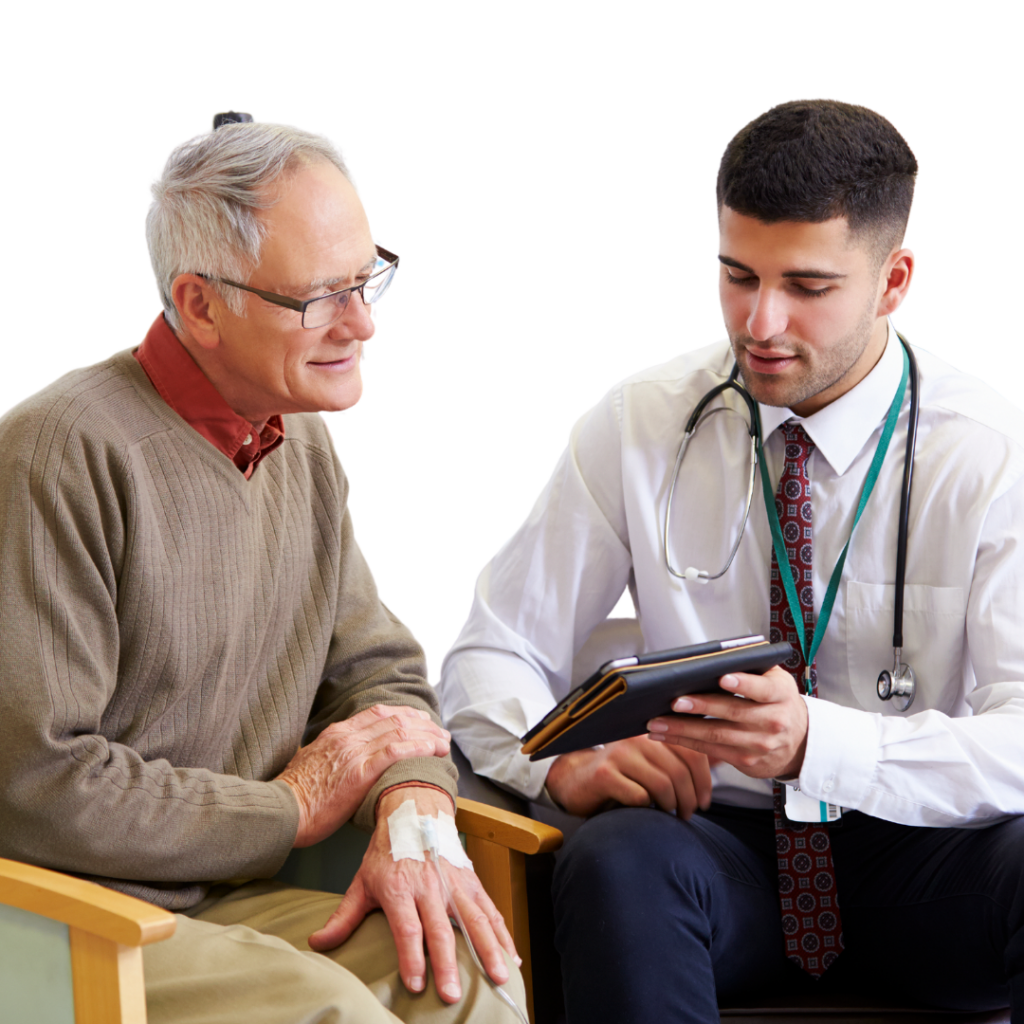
(170, 632)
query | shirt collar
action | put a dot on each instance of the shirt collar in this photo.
(843, 427)
(187, 390)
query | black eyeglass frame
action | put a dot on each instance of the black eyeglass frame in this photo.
(300, 305)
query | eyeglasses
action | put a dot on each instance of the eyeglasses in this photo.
(325, 309)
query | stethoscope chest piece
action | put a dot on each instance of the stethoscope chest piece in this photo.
(899, 685)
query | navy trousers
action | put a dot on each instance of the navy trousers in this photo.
(657, 918)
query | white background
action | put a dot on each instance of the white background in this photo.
(546, 172)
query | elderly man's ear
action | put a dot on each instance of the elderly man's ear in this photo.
(196, 302)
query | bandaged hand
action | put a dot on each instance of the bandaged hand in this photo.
(633, 772)
(409, 893)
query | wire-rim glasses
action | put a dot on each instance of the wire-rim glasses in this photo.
(326, 309)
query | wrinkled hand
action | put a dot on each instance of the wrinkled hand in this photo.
(410, 895)
(332, 775)
(634, 772)
(764, 736)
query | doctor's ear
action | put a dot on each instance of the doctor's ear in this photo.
(897, 271)
(194, 298)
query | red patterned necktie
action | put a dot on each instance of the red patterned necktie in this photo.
(807, 878)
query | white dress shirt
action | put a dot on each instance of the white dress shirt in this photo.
(956, 758)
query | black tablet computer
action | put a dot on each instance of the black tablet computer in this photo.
(622, 696)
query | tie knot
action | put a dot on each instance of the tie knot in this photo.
(798, 445)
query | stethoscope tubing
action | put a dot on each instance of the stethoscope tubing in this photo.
(903, 522)
(691, 426)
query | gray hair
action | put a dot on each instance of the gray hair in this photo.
(205, 213)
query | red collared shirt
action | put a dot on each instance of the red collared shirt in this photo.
(188, 391)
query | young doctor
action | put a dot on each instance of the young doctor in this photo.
(912, 888)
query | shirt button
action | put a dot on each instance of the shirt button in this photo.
(828, 787)
(248, 439)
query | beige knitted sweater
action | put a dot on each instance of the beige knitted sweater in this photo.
(170, 632)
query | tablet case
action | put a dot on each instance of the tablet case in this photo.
(622, 696)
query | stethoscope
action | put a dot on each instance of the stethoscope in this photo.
(898, 685)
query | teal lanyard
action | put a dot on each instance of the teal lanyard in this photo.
(782, 557)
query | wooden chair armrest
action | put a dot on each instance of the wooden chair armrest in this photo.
(482, 821)
(92, 908)
(496, 841)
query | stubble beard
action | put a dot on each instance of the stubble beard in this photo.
(819, 370)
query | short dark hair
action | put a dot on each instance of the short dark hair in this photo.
(813, 160)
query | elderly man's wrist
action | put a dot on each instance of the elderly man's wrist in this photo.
(395, 795)
(293, 784)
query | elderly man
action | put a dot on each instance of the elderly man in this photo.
(185, 606)
(917, 890)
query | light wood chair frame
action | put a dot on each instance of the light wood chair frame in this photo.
(107, 929)
(497, 842)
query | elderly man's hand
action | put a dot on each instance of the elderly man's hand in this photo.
(635, 772)
(332, 775)
(410, 895)
(764, 736)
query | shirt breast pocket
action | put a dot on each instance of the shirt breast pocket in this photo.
(933, 642)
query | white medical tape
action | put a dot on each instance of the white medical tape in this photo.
(411, 836)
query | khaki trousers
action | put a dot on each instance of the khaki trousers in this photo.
(241, 955)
